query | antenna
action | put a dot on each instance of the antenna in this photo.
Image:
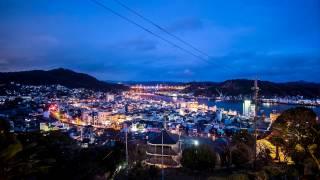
(255, 90)
(219, 92)
(125, 127)
(162, 168)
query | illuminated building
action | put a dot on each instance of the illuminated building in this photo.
(86, 117)
(219, 115)
(163, 151)
(213, 108)
(246, 107)
(118, 118)
(103, 115)
(274, 116)
(191, 106)
(44, 126)
(252, 110)
(110, 97)
(182, 112)
(232, 113)
(183, 104)
(203, 107)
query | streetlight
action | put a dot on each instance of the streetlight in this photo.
(196, 142)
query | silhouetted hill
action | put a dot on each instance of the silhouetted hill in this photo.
(60, 76)
(243, 86)
(153, 83)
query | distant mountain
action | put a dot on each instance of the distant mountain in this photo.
(243, 86)
(234, 87)
(60, 76)
(152, 83)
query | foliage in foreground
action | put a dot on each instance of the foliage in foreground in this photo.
(298, 134)
(199, 158)
(52, 156)
(138, 171)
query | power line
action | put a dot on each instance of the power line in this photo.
(161, 28)
(148, 31)
(158, 36)
(167, 32)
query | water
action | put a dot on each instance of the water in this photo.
(237, 105)
(267, 109)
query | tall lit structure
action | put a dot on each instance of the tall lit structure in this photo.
(246, 107)
(255, 90)
(219, 115)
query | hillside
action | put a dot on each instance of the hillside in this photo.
(243, 86)
(60, 76)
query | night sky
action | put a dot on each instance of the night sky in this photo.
(276, 40)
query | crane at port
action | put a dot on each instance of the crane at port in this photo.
(220, 97)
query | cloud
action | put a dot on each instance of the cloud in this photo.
(45, 40)
(181, 74)
(138, 44)
(187, 72)
(3, 61)
(277, 67)
(186, 25)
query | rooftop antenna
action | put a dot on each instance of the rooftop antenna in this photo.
(92, 115)
(162, 168)
(126, 139)
(164, 129)
(255, 90)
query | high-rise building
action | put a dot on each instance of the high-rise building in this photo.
(219, 115)
(246, 107)
(252, 110)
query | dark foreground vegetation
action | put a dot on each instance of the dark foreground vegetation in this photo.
(53, 156)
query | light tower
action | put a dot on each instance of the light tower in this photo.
(255, 90)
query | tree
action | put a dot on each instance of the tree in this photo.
(138, 171)
(297, 132)
(277, 141)
(241, 154)
(295, 125)
(199, 158)
(242, 149)
(52, 156)
(243, 137)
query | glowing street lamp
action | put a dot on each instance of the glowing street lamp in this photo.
(196, 142)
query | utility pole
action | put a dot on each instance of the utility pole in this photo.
(162, 170)
(126, 137)
(92, 115)
(255, 90)
(164, 129)
(81, 128)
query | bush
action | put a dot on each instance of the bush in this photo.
(240, 155)
(201, 158)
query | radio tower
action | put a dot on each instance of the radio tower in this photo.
(255, 90)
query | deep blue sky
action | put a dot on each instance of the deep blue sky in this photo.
(276, 40)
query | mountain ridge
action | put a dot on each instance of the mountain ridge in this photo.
(267, 88)
(65, 77)
(233, 87)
